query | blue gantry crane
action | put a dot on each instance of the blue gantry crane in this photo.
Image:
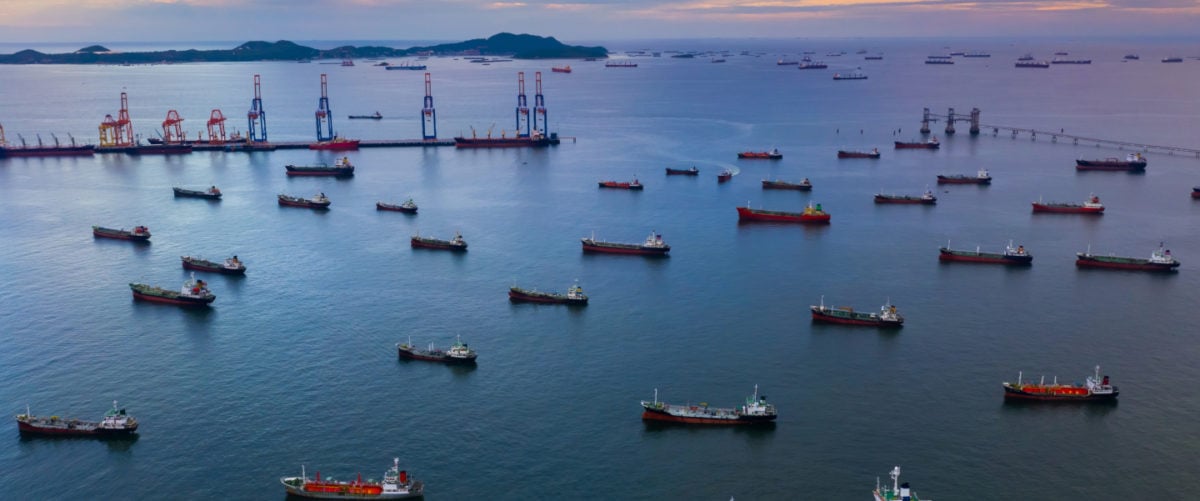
(522, 107)
(324, 114)
(257, 115)
(539, 107)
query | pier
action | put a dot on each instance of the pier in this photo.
(976, 127)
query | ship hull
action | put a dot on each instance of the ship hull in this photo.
(162, 149)
(65, 151)
(175, 301)
(1058, 209)
(119, 235)
(916, 146)
(512, 142)
(1126, 264)
(405, 354)
(1195, 193)
(630, 249)
(759, 156)
(863, 322)
(1088, 165)
(663, 416)
(395, 208)
(523, 297)
(769, 185)
(620, 186)
(904, 201)
(951, 256)
(437, 245)
(856, 154)
(746, 214)
(304, 204)
(963, 180)
(307, 171)
(1017, 393)
(179, 192)
(30, 429)
(415, 493)
(682, 172)
(213, 268)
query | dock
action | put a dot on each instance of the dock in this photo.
(288, 145)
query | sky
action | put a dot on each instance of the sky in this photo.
(583, 20)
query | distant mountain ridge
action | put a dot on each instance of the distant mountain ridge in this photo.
(521, 46)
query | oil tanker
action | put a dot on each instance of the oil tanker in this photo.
(1160, 260)
(1094, 388)
(396, 484)
(756, 410)
(116, 423)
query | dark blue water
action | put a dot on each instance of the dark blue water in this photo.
(295, 363)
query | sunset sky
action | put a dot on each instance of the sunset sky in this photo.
(568, 20)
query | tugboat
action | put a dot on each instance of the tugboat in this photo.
(1160, 260)
(395, 485)
(653, 246)
(887, 316)
(459, 353)
(621, 185)
(898, 492)
(1094, 389)
(931, 144)
(231, 266)
(455, 244)
(342, 168)
(874, 153)
(803, 185)
(1134, 162)
(212, 193)
(194, 293)
(724, 175)
(981, 177)
(116, 423)
(335, 144)
(683, 172)
(137, 234)
(812, 214)
(774, 154)
(408, 206)
(574, 296)
(1091, 206)
(926, 198)
(1016, 256)
(756, 410)
(318, 201)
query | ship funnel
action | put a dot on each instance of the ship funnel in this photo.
(404, 476)
(905, 495)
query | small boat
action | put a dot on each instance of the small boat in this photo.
(683, 172)
(926, 198)
(212, 193)
(318, 201)
(1032, 64)
(622, 185)
(981, 177)
(803, 185)
(1132, 57)
(138, 233)
(854, 75)
(874, 153)
(376, 116)
(812, 65)
(898, 491)
(756, 410)
(1093, 389)
(341, 168)
(396, 484)
(561, 69)
(408, 206)
(1172, 60)
(812, 214)
(458, 353)
(1011, 256)
(620, 64)
(115, 423)
(1091, 206)
(774, 154)
(574, 296)
(931, 144)
(724, 175)
(335, 144)
(1160, 260)
(653, 246)
(194, 293)
(887, 316)
(1133, 162)
(455, 244)
(230, 266)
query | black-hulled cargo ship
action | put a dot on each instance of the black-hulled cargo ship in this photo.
(455, 244)
(573, 296)
(1134, 162)
(653, 246)
(212, 193)
(341, 168)
(231, 266)
(137, 234)
(756, 410)
(458, 353)
(194, 293)
(1015, 256)
(318, 201)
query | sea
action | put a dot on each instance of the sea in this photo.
(295, 364)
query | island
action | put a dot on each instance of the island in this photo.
(522, 46)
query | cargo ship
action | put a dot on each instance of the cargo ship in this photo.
(534, 140)
(230, 266)
(812, 65)
(874, 153)
(211, 193)
(926, 198)
(1134, 162)
(396, 484)
(1032, 64)
(1015, 256)
(774, 154)
(1071, 61)
(455, 244)
(574, 296)
(622, 185)
(1172, 60)
(1093, 389)
(1091, 206)
(854, 75)
(887, 316)
(756, 410)
(724, 175)
(406, 65)
(653, 246)
(932, 60)
(898, 491)
(803, 185)
(43, 150)
(116, 423)
(981, 177)
(376, 116)
(811, 214)
(1160, 260)
(931, 144)
(620, 64)
(194, 293)
(1132, 57)
(318, 201)
(458, 353)
(335, 144)
(683, 172)
(408, 207)
(341, 168)
(137, 234)
(561, 69)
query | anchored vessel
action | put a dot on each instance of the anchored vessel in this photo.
(803, 185)
(318, 201)
(194, 293)
(898, 492)
(724, 175)
(1160, 260)
(874, 153)
(1016, 256)
(396, 484)
(408, 206)
(212, 193)
(812, 65)
(811, 214)
(622, 185)
(926, 198)
(335, 144)
(1134, 162)
(138, 233)
(1093, 389)
(1030, 63)
(981, 177)
(653, 246)
(931, 144)
(756, 410)
(887, 316)
(855, 75)
(561, 69)
(459, 353)
(115, 423)
(376, 116)
(683, 172)
(574, 296)
(231, 266)
(774, 154)
(342, 168)
(1091, 206)
(455, 244)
